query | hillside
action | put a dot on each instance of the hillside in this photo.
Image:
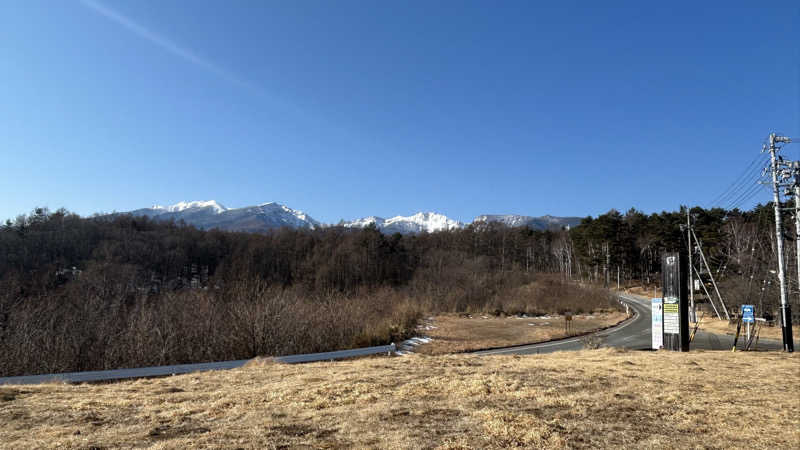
(589, 399)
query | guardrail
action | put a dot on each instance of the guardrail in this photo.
(161, 371)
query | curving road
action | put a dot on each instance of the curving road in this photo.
(632, 334)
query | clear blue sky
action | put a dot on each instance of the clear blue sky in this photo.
(345, 109)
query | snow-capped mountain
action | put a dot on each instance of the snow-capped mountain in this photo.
(183, 206)
(210, 214)
(536, 223)
(267, 216)
(418, 223)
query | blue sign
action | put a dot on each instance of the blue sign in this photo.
(748, 315)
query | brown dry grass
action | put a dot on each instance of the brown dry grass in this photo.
(642, 291)
(603, 398)
(457, 333)
(710, 325)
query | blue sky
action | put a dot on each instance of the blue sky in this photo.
(346, 109)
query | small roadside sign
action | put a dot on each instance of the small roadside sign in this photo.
(657, 324)
(748, 313)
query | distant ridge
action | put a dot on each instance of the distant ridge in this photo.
(210, 214)
(537, 223)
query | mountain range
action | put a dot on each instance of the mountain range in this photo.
(266, 216)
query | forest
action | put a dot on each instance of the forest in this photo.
(120, 291)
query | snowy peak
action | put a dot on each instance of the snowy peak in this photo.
(183, 206)
(210, 214)
(537, 223)
(291, 217)
(364, 222)
(510, 220)
(427, 222)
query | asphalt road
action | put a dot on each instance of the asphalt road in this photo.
(633, 334)
(161, 371)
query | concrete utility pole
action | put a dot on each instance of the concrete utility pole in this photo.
(796, 167)
(786, 312)
(692, 313)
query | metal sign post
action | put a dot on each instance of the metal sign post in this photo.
(748, 317)
(675, 316)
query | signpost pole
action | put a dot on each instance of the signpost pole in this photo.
(675, 304)
(748, 318)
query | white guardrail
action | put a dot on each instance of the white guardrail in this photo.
(161, 371)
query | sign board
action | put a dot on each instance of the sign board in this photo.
(672, 315)
(748, 313)
(696, 284)
(657, 328)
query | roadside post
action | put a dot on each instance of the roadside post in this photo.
(567, 322)
(657, 324)
(675, 308)
(748, 317)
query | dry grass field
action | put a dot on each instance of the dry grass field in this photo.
(712, 325)
(603, 398)
(455, 333)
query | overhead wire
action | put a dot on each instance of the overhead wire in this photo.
(746, 195)
(738, 182)
(743, 185)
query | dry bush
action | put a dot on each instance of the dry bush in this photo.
(551, 295)
(592, 341)
(246, 320)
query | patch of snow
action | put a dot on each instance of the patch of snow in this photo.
(408, 345)
(183, 206)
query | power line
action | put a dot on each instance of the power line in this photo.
(739, 181)
(745, 196)
(743, 185)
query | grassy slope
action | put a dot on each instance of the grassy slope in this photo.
(602, 398)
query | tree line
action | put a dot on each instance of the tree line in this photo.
(122, 291)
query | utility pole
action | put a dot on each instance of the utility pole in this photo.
(692, 313)
(786, 312)
(796, 172)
